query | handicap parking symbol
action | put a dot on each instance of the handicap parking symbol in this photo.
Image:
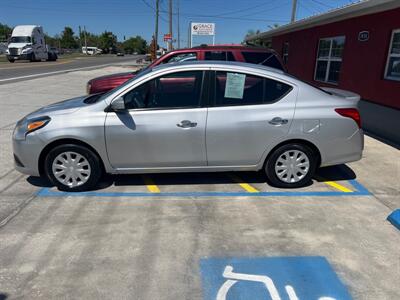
(275, 278)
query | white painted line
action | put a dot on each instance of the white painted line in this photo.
(56, 72)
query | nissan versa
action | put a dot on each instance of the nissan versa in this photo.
(193, 117)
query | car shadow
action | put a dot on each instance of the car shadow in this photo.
(333, 173)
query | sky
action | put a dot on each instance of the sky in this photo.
(126, 18)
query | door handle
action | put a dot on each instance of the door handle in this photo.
(278, 121)
(186, 124)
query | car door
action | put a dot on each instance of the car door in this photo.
(163, 126)
(250, 112)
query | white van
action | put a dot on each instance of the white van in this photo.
(27, 43)
(91, 50)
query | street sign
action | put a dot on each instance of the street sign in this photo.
(167, 37)
(276, 278)
(203, 28)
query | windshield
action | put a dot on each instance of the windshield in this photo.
(140, 73)
(20, 39)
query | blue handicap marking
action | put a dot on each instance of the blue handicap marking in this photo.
(275, 278)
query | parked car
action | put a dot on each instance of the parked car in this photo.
(256, 55)
(193, 117)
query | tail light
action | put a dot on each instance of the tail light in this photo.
(351, 113)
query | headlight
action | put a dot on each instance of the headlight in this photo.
(26, 126)
(7, 51)
(26, 50)
(88, 88)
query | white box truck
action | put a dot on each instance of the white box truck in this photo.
(27, 43)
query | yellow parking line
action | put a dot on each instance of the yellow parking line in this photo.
(244, 185)
(336, 185)
(151, 186)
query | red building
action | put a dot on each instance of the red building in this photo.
(355, 48)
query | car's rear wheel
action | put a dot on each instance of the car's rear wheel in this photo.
(292, 165)
(73, 168)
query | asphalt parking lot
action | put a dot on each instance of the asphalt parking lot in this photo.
(176, 236)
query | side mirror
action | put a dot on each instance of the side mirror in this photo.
(118, 105)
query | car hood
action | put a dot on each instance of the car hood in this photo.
(114, 76)
(18, 45)
(60, 108)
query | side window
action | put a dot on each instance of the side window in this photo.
(285, 52)
(393, 60)
(215, 55)
(181, 57)
(243, 89)
(263, 58)
(176, 90)
(238, 89)
(329, 59)
(275, 90)
(229, 56)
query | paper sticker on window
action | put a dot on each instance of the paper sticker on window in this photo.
(234, 86)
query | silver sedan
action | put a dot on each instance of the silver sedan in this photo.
(193, 117)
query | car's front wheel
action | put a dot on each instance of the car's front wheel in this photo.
(292, 165)
(73, 168)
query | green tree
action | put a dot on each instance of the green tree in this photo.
(108, 42)
(68, 39)
(5, 32)
(135, 44)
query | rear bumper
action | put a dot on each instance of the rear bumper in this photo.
(344, 150)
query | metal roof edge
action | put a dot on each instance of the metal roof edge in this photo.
(352, 10)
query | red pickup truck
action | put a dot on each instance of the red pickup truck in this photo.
(256, 55)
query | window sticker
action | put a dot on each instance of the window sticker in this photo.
(234, 86)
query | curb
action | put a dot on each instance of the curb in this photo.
(394, 218)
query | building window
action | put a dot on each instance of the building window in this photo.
(329, 59)
(285, 52)
(393, 61)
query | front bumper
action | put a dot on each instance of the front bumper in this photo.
(27, 153)
(19, 57)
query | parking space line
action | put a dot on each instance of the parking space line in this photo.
(359, 190)
(335, 185)
(151, 186)
(247, 187)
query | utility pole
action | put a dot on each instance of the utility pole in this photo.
(80, 37)
(170, 25)
(179, 34)
(156, 30)
(84, 32)
(294, 7)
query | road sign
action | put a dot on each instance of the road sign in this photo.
(203, 28)
(167, 37)
(275, 278)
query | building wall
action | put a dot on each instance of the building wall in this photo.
(363, 63)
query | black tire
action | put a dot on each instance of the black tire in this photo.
(11, 60)
(33, 58)
(92, 158)
(272, 160)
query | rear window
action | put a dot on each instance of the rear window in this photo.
(262, 58)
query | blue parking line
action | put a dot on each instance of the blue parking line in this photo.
(394, 218)
(360, 190)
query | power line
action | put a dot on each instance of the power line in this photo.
(153, 8)
(323, 4)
